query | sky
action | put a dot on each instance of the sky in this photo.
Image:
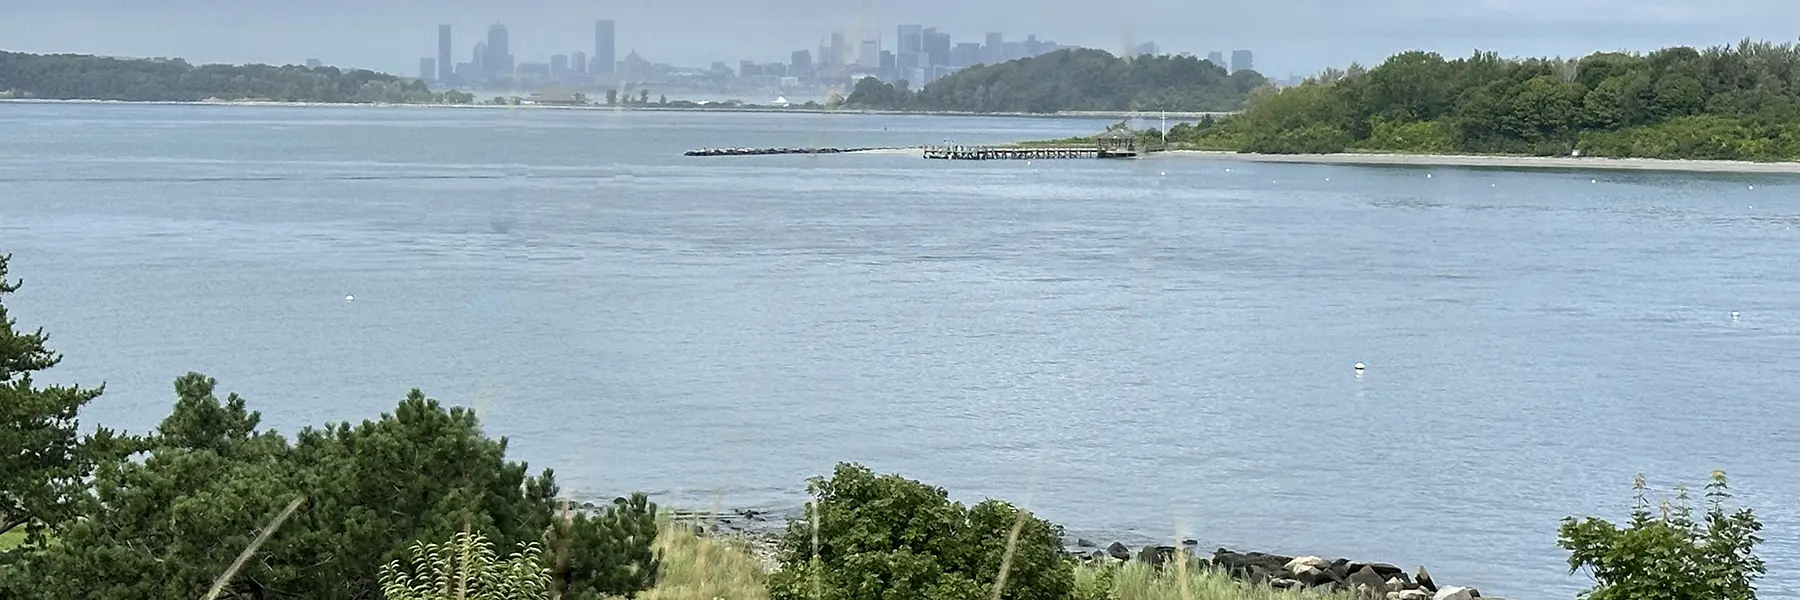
(1296, 37)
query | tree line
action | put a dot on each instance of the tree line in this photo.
(1737, 102)
(1076, 79)
(86, 77)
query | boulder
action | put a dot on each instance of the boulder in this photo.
(1313, 576)
(1367, 577)
(1308, 561)
(1240, 563)
(1451, 592)
(1424, 579)
(1083, 543)
(1118, 551)
(1383, 569)
(1190, 542)
(1097, 555)
(1409, 595)
(1283, 584)
(1399, 583)
(1156, 556)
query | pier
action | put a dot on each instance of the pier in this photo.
(1012, 153)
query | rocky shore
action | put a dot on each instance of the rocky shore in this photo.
(758, 530)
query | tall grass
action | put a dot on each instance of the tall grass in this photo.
(705, 568)
(1138, 581)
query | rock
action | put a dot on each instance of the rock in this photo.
(1308, 561)
(1383, 569)
(1118, 551)
(1366, 577)
(1097, 555)
(1424, 579)
(1083, 543)
(1409, 595)
(1282, 583)
(1240, 563)
(1190, 542)
(1451, 592)
(1396, 583)
(1156, 556)
(1313, 576)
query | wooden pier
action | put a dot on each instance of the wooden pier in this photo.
(1011, 153)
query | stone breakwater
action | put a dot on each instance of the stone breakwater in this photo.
(758, 531)
(772, 151)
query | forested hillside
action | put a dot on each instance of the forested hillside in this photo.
(1740, 102)
(83, 77)
(1071, 80)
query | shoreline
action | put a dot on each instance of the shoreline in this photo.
(1500, 162)
(1110, 115)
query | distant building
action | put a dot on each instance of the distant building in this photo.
(937, 48)
(578, 63)
(443, 56)
(480, 58)
(499, 60)
(1241, 61)
(869, 56)
(428, 68)
(994, 52)
(605, 48)
(840, 51)
(559, 66)
(801, 62)
(966, 54)
(313, 63)
(1013, 51)
(911, 38)
(1217, 58)
(1145, 48)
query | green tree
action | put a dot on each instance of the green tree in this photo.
(1669, 555)
(889, 538)
(612, 97)
(164, 526)
(44, 459)
(608, 554)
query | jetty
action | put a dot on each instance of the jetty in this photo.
(1117, 144)
(772, 151)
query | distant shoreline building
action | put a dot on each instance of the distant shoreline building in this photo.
(444, 63)
(606, 47)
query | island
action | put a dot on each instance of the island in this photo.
(1725, 103)
(1070, 80)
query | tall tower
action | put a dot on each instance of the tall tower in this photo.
(499, 58)
(606, 46)
(444, 64)
(1240, 61)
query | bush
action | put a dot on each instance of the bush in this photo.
(467, 568)
(891, 538)
(1668, 555)
(609, 554)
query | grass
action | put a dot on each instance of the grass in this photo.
(697, 568)
(12, 539)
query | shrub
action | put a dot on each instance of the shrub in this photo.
(608, 554)
(467, 568)
(1668, 555)
(891, 538)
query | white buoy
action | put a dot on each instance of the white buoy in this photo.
(1428, 176)
(1359, 367)
(349, 298)
(1328, 179)
(1163, 173)
(1228, 170)
(1734, 315)
(1593, 181)
(1753, 187)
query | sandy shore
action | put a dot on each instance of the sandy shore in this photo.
(1505, 162)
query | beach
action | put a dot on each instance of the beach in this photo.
(1501, 162)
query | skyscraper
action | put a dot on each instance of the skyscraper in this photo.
(937, 48)
(559, 66)
(578, 62)
(428, 68)
(840, 51)
(444, 65)
(995, 51)
(499, 59)
(1240, 61)
(911, 38)
(801, 61)
(1216, 58)
(479, 59)
(606, 46)
(869, 57)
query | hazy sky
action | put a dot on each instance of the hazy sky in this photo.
(1288, 36)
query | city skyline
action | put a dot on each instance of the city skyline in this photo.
(1290, 36)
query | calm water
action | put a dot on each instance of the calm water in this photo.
(1132, 348)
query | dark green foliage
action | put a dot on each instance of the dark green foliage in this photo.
(165, 526)
(44, 459)
(892, 538)
(1668, 555)
(1737, 102)
(75, 76)
(607, 554)
(1071, 80)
